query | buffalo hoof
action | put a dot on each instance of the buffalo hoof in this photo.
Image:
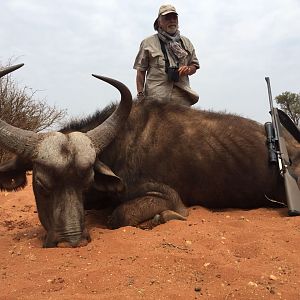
(169, 215)
(161, 218)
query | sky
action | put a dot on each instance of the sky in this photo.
(238, 44)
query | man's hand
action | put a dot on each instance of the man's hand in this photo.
(187, 70)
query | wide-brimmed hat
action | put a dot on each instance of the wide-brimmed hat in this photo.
(164, 10)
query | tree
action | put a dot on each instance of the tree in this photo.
(290, 104)
(19, 108)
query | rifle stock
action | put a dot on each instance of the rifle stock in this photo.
(290, 183)
(292, 194)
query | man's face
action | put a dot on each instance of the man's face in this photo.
(169, 23)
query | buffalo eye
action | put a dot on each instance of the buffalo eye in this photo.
(42, 187)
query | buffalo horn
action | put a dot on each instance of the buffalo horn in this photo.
(16, 140)
(103, 134)
(10, 69)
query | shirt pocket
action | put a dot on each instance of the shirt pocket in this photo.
(157, 60)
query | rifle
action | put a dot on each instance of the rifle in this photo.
(278, 151)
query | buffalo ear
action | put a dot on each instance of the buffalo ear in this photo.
(106, 180)
(13, 174)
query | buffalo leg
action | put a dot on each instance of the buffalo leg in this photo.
(156, 207)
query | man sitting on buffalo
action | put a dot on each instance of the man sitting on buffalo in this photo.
(165, 61)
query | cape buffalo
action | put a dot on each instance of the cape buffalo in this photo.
(147, 159)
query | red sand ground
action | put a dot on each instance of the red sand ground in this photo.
(233, 254)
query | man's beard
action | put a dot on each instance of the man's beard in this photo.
(172, 29)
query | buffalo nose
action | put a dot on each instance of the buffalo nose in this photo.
(53, 239)
(66, 244)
